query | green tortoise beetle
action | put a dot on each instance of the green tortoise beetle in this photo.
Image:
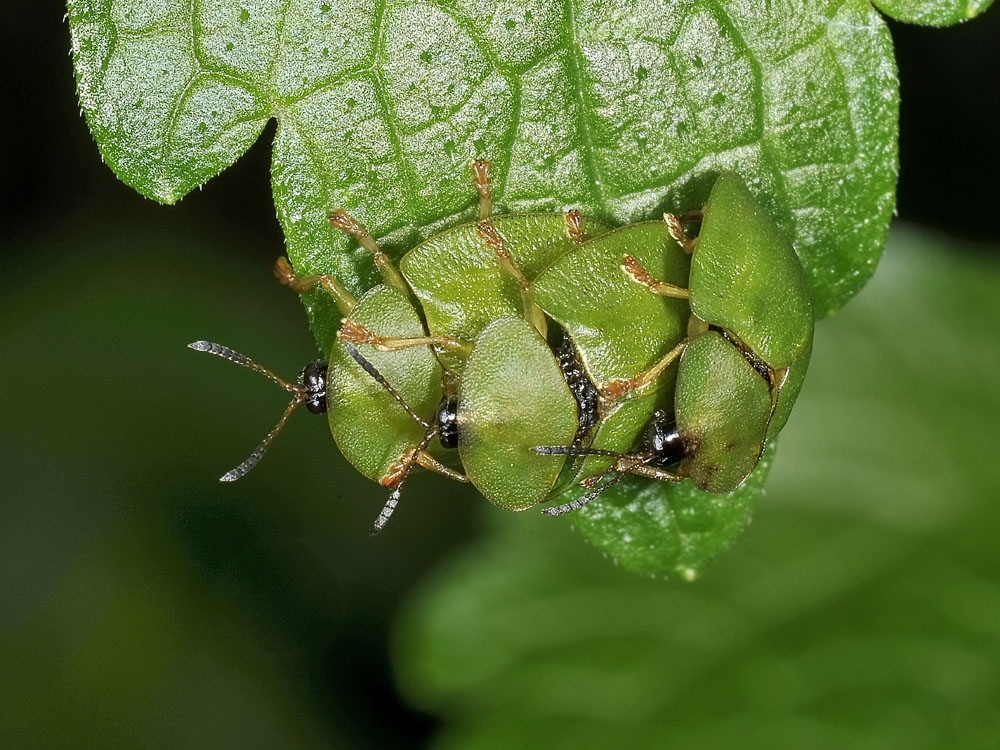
(488, 291)
(740, 364)
(387, 396)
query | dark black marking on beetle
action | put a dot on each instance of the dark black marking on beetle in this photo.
(580, 385)
(759, 366)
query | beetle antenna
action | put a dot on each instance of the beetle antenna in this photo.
(390, 504)
(300, 391)
(573, 450)
(244, 361)
(258, 453)
(569, 507)
(380, 379)
(387, 510)
(393, 501)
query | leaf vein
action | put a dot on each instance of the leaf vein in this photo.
(409, 188)
(576, 73)
(278, 42)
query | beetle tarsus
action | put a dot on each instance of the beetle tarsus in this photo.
(638, 273)
(675, 226)
(574, 227)
(481, 181)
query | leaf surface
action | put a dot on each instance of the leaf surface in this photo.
(621, 108)
(668, 530)
(933, 12)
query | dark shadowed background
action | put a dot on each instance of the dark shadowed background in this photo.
(143, 604)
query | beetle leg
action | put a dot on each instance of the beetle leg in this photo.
(612, 390)
(299, 284)
(653, 473)
(495, 242)
(638, 273)
(675, 227)
(481, 181)
(430, 463)
(358, 334)
(349, 225)
(398, 471)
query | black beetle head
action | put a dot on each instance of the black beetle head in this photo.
(313, 378)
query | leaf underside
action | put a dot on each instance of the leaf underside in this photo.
(933, 12)
(621, 108)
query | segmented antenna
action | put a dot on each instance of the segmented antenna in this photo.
(300, 391)
(431, 430)
(380, 379)
(387, 510)
(572, 450)
(390, 505)
(244, 361)
(569, 507)
(258, 453)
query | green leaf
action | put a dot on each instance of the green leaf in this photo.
(861, 610)
(933, 12)
(620, 108)
(668, 530)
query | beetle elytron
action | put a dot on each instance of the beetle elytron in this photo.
(554, 352)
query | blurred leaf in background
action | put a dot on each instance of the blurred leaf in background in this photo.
(861, 610)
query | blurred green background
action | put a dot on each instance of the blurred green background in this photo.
(144, 605)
